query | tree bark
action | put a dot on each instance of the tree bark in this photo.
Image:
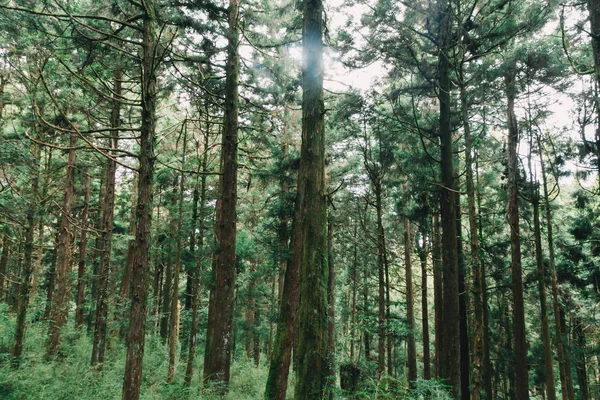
(520, 343)
(63, 257)
(450, 350)
(311, 376)
(411, 353)
(106, 229)
(189, 371)
(580, 364)
(437, 291)
(422, 250)
(174, 321)
(217, 356)
(25, 284)
(559, 340)
(82, 251)
(141, 254)
(475, 257)
(4, 261)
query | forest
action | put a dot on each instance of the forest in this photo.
(299, 199)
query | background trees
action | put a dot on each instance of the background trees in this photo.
(164, 188)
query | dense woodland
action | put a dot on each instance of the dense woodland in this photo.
(368, 199)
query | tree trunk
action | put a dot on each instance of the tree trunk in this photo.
(217, 356)
(381, 301)
(124, 290)
(437, 292)
(580, 364)
(63, 257)
(475, 257)
(465, 367)
(25, 284)
(189, 371)
(331, 311)
(174, 322)
(548, 367)
(424, 307)
(4, 261)
(141, 255)
(450, 349)
(487, 365)
(411, 352)
(311, 374)
(520, 344)
(82, 251)
(560, 346)
(106, 230)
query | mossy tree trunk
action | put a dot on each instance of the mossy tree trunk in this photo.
(219, 339)
(311, 371)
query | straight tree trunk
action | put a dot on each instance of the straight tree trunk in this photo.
(331, 311)
(425, 308)
(311, 371)
(25, 284)
(381, 348)
(189, 371)
(106, 230)
(411, 353)
(450, 349)
(63, 257)
(487, 364)
(475, 257)
(548, 358)
(4, 261)
(141, 254)
(82, 251)
(174, 322)
(125, 289)
(560, 350)
(437, 291)
(520, 343)
(580, 364)
(217, 356)
(465, 367)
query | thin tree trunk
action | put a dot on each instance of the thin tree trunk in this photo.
(411, 353)
(25, 284)
(189, 371)
(475, 257)
(331, 311)
(560, 350)
(141, 255)
(174, 322)
(125, 289)
(217, 356)
(381, 301)
(63, 257)
(82, 251)
(520, 343)
(539, 259)
(437, 292)
(424, 307)
(465, 367)
(106, 229)
(4, 261)
(487, 364)
(580, 363)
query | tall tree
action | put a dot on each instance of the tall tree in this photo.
(311, 215)
(217, 356)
